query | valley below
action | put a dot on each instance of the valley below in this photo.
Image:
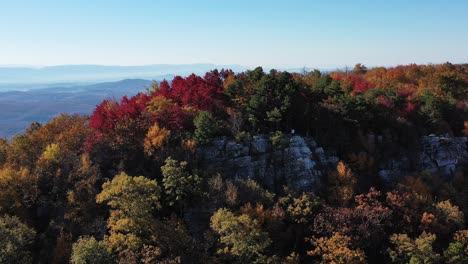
(20, 108)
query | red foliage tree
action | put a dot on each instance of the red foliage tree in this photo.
(122, 124)
(360, 85)
(204, 94)
(109, 112)
(175, 118)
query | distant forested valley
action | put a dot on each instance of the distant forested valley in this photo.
(366, 165)
(22, 107)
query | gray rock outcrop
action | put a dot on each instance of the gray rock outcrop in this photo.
(297, 163)
(301, 164)
(442, 154)
(437, 155)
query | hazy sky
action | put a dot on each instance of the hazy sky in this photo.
(286, 33)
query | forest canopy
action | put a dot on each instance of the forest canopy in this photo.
(124, 185)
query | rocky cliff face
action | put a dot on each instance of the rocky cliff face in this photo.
(301, 165)
(297, 163)
(437, 154)
(442, 154)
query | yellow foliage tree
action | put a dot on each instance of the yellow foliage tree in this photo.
(18, 190)
(336, 250)
(341, 184)
(156, 138)
(241, 236)
(157, 104)
(133, 200)
(52, 153)
(189, 145)
(408, 250)
(229, 80)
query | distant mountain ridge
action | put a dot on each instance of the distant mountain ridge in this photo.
(101, 73)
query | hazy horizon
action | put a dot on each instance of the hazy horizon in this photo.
(11, 76)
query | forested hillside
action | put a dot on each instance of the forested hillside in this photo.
(127, 184)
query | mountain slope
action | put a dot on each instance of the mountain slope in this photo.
(19, 108)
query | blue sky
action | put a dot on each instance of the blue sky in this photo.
(291, 33)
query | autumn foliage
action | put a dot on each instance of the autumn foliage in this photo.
(127, 185)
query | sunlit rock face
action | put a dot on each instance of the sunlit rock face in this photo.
(297, 162)
(300, 164)
(436, 155)
(442, 154)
